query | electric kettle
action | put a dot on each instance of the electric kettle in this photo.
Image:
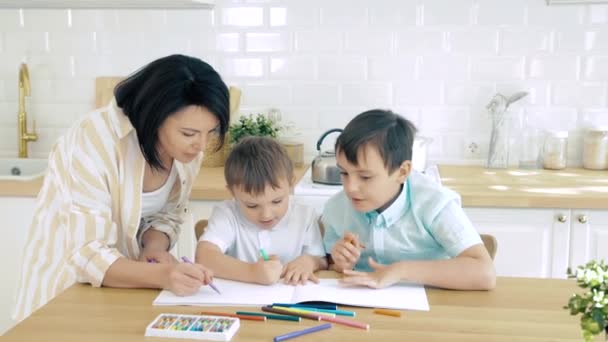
(324, 168)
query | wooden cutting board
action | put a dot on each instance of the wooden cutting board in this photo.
(104, 92)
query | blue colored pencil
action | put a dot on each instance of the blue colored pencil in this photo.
(318, 306)
(185, 259)
(302, 332)
(337, 312)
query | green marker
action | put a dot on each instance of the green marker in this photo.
(263, 253)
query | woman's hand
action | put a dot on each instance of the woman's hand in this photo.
(267, 272)
(185, 279)
(346, 252)
(382, 276)
(300, 270)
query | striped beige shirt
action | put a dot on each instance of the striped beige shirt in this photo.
(88, 212)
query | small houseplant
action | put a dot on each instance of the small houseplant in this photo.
(593, 303)
(259, 125)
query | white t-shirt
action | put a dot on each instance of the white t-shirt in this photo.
(296, 234)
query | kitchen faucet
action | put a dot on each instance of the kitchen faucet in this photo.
(23, 135)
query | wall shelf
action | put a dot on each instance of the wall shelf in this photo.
(108, 4)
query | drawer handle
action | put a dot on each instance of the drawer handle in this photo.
(582, 218)
(562, 218)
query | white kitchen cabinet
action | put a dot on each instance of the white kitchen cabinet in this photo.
(589, 236)
(16, 214)
(531, 242)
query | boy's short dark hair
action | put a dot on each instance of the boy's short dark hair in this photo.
(167, 85)
(391, 134)
(255, 162)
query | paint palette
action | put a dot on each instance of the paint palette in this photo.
(213, 328)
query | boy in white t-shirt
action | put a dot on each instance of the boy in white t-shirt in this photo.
(260, 236)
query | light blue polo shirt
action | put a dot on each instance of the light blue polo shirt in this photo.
(425, 222)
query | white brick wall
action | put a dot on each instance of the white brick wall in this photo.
(436, 62)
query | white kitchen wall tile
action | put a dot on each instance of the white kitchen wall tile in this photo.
(267, 95)
(597, 40)
(418, 93)
(596, 14)
(480, 41)
(1, 42)
(227, 42)
(318, 41)
(595, 68)
(435, 12)
(49, 67)
(26, 42)
(242, 16)
(107, 65)
(393, 13)
(292, 68)
(555, 118)
(538, 91)
(8, 141)
(342, 68)
(46, 139)
(3, 94)
(524, 41)
(337, 117)
(410, 113)
(541, 15)
(189, 20)
(9, 68)
(369, 42)
(438, 119)
(267, 42)
(51, 115)
(420, 42)
(39, 20)
(574, 40)
(444, 67)
(371, 94)
(94, 20)
(315, 94)
(120, 42)
(243, 67)
(301, 118)
(453, 146)
(397, 68)
(593, 117)
(344, 14)
(494, 12)
(554, 68)
(8, 114)
(579, 94)
(71, 43)
(10, 20)
(59, 91)
(497, 68)
(294, 14)
(141, 20)
(466, 93)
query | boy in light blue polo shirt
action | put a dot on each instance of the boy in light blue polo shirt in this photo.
(391, 223)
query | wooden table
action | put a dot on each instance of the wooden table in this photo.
(519, 309)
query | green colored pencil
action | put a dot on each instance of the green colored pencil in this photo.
(270, 316)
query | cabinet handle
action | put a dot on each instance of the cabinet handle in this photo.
(562, 218)
(582, 218)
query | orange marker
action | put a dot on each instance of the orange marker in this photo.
(387, 312)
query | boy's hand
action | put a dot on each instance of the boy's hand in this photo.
(346, 252)
(185, 279)
(160, 256)
(268, 272)
(382, 276)
(299, 271)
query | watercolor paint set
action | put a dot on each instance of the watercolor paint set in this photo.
(199, 327)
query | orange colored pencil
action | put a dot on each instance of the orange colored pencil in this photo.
(243, 317)
(343, 321)
(387, 312)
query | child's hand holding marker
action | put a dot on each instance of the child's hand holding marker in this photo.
(186, 278)
(346, 252)
(268, 269)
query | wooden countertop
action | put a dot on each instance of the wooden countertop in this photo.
(518, 188)
(519, 309)
(209, 185)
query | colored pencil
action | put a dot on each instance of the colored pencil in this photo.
(264, 255)
(185, 259)
(336, 312)
(227, 314)
(291, 313)
(300, 310)
(387, 312)
(270, 316)
(307, 305)
(344, 321)
(301, 332)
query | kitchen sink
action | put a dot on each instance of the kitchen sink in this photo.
(22, 169)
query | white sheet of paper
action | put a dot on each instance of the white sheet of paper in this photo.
(399, 296)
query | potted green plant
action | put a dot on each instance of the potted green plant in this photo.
(593, 303)
(259, 125)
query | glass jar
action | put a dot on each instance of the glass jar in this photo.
(595, 148)
(555, 150)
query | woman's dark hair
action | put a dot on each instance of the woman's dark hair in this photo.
(391, 134)
(166, 86)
